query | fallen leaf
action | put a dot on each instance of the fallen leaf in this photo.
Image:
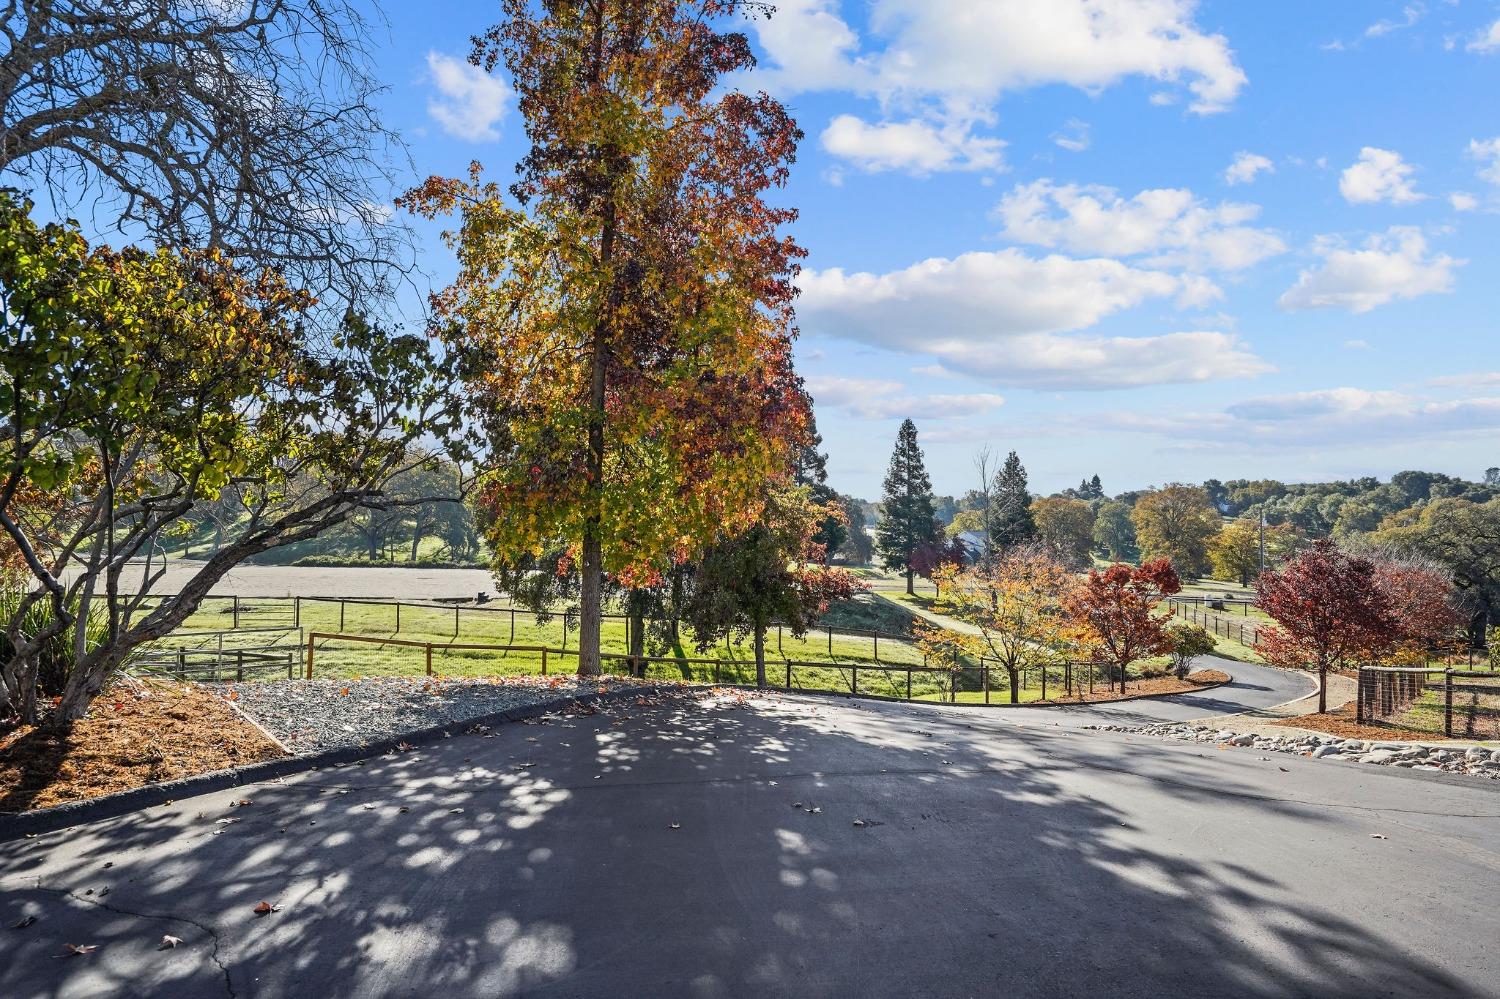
(243, 802)
(24, 922)
(76, 949)
(1378, 836)
(859, 822)
(168, 942)
(1283, 770)
(266, 908)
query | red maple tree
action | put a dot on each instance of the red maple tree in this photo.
(1116, 611)
(1422, 602)
(1329, 609)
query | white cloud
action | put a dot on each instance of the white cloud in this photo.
(1469, 379)
(1342, 417)
(951, 61)
(1487, 152)
(918, 147)
(1380, 175)
(873, 399)
(1392, 265)
(1486, 40)
(1462, 201)
(999, 315)
(1246, 166)
(1410, 15)
(1074, 136)
(1174, 227)
(470, 102)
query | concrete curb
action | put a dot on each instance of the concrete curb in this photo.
(16, 825)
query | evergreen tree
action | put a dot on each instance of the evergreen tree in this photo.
(810, 469)
(1096, 488)
(908, 521)
(1011, 522)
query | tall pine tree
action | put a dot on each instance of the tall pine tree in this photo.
(811, 470)
(1011, 522)
(908, 519)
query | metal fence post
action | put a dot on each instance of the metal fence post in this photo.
(341, 615)
(236, 610)
(788, 676)
(984, 678)
(877, 646)
(512, 626)
(398, 617)
(455, 620)
(296, 612)
(908, 683)
(853, 678)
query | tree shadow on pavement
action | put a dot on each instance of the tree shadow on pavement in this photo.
(735, 846)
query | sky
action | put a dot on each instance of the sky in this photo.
(1153, 240)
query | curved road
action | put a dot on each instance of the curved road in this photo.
(782, 846)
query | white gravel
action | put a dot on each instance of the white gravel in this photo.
(312, 715)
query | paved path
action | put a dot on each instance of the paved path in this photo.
(671, 851)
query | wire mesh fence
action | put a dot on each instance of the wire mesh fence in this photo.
(1456, 703)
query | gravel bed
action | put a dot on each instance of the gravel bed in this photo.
(312, 715)
(1474, 761)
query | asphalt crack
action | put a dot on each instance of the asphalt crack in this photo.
(108, 907)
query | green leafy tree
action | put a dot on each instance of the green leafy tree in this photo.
(907, 522)
(626, 324)
(142, 384)
(1011, 521)
(1065, 527)
(1114, 532)
(770, 573)
(1176, 522)
(857, 545)
(1186, 643)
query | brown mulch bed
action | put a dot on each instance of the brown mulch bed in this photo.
(136, 733)
(1150, 687)
(1341, 722)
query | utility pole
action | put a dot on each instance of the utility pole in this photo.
(1262, 539)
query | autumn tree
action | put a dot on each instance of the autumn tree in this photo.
(1011, 522)
(626, 323)
(142, 384)
(908, 520)
(769, 573)
(1235, 551)
(1114, 532)
(1423, 603)
(931, 556)
(1117, 612)
(248, 127)
(1016, 603)
(1176, 523)
(1464, 538)
(1066, 526)
(1329, 610)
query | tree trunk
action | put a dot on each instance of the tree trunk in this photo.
(760, 656)
(637, 638)
(1322, 688)
(416, 541)
(911, 590)
(1015, 686)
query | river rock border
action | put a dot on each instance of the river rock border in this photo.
(1474, 761)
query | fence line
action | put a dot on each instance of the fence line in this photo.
(1070, 681)
(1386, 692)
(1192, 611)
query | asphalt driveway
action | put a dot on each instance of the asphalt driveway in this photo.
(779, 846)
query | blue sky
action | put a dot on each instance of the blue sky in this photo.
(1154, 240)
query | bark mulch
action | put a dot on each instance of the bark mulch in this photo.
(1150, 687)
(136, 733)
(1341, 722)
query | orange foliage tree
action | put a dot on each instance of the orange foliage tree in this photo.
(1117, 611)
(625, 322)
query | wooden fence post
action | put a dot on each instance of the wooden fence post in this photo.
(310, 640)
(1448, 703)
(296, 612)
(429, 658)
(236, 610)
(455, 620)
(341, 615)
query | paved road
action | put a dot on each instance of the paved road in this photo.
(671, 851)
